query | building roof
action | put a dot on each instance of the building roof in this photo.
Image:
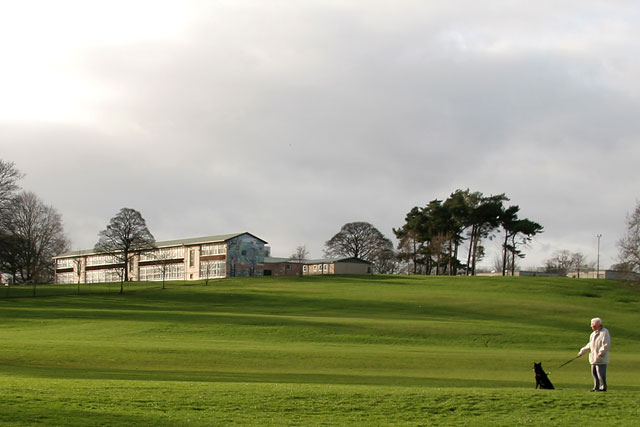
(200, 240)
(278, 260)
(170, 243)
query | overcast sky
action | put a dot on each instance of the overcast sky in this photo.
(288, 119)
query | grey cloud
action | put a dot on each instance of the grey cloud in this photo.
(288, 122)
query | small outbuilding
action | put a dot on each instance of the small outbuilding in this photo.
(273, 266)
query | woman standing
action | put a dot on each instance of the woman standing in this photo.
(598, 348)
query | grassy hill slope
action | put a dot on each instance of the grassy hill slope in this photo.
(313, 350)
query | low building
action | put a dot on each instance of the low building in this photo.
(228, 255)
(273, 266)
(285, 266)
(606, 274)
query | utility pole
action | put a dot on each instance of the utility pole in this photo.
(598, 259)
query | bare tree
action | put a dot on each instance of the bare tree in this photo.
(578, 262)
(564, 261)
(125, 235)
(387, 262)
(9, 243)
(11, 248)
(9, 176)
(78, 262)
(629, 245)
(559, 263)
(300, 255)
(163, 258)
(39, 230)
(206, 269)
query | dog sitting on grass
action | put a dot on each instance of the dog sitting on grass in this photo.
(542, 380)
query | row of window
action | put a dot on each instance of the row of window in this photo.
(66, 277)
(316, 268)
(208, 269)
(157, 254)
(101, 260)
(155, 272)
(164, 253)
(219, 249)
(148, 273)
(64, 263)
(212, 269)
(101, 276)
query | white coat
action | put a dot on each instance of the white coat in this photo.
(598, 347)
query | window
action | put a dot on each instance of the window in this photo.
(315, 268)
(210, 269)
(164, 253)
(192, 257)
(305, 268)
(154, 272)
(326, 267)
(64, 263)
(65, 278)
(101, 276)
(213, 249)
(102, 260)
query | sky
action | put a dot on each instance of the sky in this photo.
(288, 119)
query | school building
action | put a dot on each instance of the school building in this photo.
(229, 255)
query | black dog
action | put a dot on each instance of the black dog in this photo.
(542, 380)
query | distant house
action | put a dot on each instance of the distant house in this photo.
(272, 266)
(228, 255)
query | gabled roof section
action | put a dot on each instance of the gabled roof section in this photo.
(219, 238)
(206, 239)
(278, 260)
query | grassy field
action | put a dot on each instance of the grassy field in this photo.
(365, 350)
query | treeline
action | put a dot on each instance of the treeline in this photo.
(31, 232)
(445, 237)
(431, 239)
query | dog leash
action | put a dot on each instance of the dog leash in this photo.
(565, 363)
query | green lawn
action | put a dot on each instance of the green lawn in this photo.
(332, 350)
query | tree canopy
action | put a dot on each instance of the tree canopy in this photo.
(31, 232)
(126, 233)
(37, 228)
(358, 239)
(516, 232)
(431, 237)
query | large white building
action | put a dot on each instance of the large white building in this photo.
(228, 255)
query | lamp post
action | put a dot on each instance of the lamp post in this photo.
(598, 259)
